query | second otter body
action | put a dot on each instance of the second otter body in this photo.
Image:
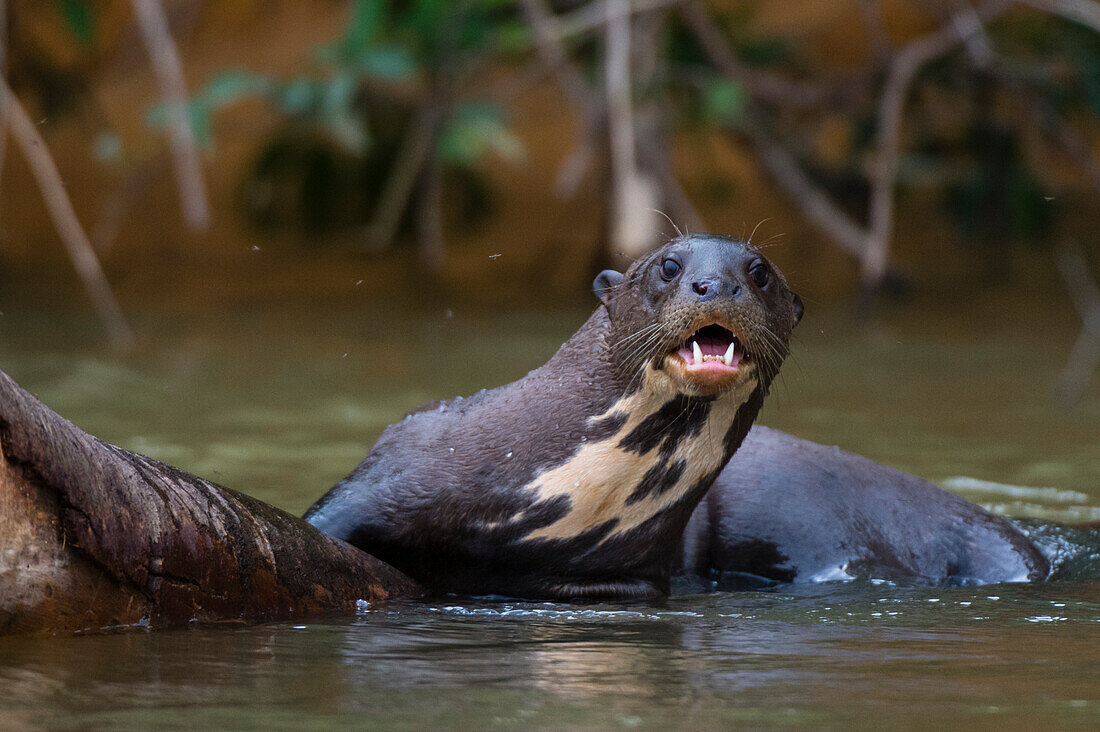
(578, 480)
(790, 510)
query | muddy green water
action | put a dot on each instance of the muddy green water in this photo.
(282, 397)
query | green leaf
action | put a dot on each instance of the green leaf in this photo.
(297, 96)
(475, 129)
(361, 31)
(390, 61)
(80, 18)
(723, 100)
(348, 132)
(230, 87)
(426, 17)
(224, 89)
(513, 37)
(338, 94)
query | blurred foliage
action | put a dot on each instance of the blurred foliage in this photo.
(80, 18)
(360, 99)
(352, 110)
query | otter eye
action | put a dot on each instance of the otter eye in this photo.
(760, 274)
(669, 269)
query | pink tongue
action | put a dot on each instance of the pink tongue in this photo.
(709, 347)
(712, 346)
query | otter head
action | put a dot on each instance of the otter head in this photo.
(710, 312)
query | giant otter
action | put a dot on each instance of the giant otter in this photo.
(789, 510)
(578, 479)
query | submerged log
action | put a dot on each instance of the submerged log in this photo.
(93, 536)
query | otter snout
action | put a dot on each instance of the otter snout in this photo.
(715, 273)
(712, 287)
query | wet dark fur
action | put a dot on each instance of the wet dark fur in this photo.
(789, 510)
(445, 495)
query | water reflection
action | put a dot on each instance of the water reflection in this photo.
(719, 658)
(263, 400)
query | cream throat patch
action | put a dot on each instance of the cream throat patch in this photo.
(666, 445)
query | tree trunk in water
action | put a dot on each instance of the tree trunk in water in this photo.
(93, 536)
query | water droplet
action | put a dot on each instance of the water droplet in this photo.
(508, 456)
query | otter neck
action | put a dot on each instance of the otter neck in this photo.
(650, 452)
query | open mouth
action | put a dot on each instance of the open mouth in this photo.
(712, 348)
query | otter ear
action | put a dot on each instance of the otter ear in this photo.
(799, 308)
(605, 283)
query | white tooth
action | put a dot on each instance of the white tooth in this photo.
(696, 352)
(728, 358)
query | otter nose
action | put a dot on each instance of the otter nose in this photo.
(710, 288)
(705, 289)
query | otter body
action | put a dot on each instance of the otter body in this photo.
(578, 479)
(789, 510)
(589, 477)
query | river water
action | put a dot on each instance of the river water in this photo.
(281, 397)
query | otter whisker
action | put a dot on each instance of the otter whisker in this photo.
(674, 226)
(753, 233)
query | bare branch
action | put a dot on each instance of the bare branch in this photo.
(594, 15)
(64, 217)
(1085, 12)
(1070, 140)
(430, 216)
(1082, 290)
(903, 69)
(571, 173)
(877, 37)
(399, 186)
(169, 70)
(117, 206)
(548, 37)
(814, 203)
(633, 202)
(548, 42)
(653, 150)
(1085, 355)
(763, 86)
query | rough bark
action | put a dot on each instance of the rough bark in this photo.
(93, 537)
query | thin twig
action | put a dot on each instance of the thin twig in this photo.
(430, 216)
(1085, 12)
(548, 43)
(814, 202)
(903, 69)
(1085, 355)
(64, 218)
(632, 194)
(407, 168)
(117, 206)
(593, 15)
(764, 86)
(875, 27)
(169, 70)
(548, 39)
(1082, 290)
